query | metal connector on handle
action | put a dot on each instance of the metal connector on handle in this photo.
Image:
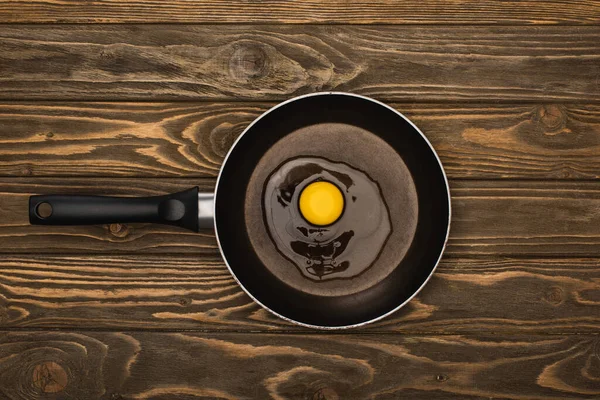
(206, 214)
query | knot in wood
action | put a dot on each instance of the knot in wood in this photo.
(49, 377)
(118, 230)
(248, 61)
(325, 394)
(441, 378)
(552, 117)
(185, 302)
(223, 136)
(554, 295)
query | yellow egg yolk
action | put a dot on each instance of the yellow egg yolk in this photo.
(321, 203)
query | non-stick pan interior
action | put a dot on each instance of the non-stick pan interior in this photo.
(301, 304)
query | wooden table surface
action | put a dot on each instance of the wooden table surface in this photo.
(139, 97)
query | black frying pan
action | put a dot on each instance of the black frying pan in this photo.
(344, 130)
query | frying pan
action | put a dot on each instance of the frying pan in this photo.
(341, 127)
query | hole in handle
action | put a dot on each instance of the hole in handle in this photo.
(43, 210)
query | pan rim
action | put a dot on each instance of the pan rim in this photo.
(326, 327)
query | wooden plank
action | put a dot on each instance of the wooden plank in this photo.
(489, 217)
(482, 141)
(152, 292)
(196, 62)
(304, 11)
(184, 366)
(520, 217)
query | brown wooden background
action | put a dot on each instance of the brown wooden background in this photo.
(139, 97)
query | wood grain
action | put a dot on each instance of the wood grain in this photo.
(127, 365)
(304, 11)
(489, 217)
(140, 311)
(198, 62)
(475, 141)
(153, 292)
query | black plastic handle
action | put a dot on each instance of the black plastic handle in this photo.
(179, 209)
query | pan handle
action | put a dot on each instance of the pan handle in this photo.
(178, 209)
